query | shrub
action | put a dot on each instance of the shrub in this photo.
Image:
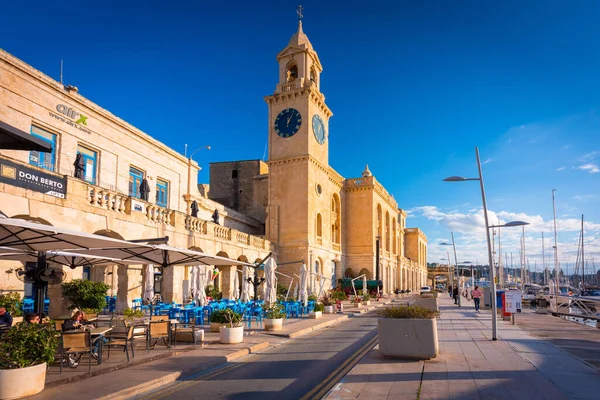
(275, 311)
(326, 300)
(218, 316)
(312, 297)
(213, 292)
(130, 314)
(319, 307)
(406, 312)
(26, 345)
(84, 294)
(338, 295)
(366, 296)
(12, 302)
(232, 319)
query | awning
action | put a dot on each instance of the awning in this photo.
(12, 138)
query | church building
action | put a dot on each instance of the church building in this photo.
(311, 213)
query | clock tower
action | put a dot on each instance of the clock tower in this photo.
(299, 196)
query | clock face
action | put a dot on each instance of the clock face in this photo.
(318, 129)
(288, 122)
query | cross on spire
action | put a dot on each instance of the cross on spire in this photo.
(299, 12)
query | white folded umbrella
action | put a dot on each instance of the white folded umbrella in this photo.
(149, 283)
(270, 281)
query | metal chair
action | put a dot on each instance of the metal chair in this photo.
(158, 330)
(121, 336)
(76, 343)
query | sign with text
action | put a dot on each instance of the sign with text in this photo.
(32, 179)
(513, 301)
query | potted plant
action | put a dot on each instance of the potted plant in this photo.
(327, 304)
(24, 352)
(12, 302)
(217, 319)
(233, 331)
(415, 326)
(366, 297)
(318, 312)
(83, 294)
(130, 315)
(275, 313)
(357, 300)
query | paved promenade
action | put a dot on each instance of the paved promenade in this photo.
(472, 366)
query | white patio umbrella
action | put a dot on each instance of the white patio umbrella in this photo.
(163, 255)
(303, 285)
(69, 259)
(236, 285)
(365, 290)
(193, 282)
(270, 281)
(149, 283)
(202, 279)
(34, 237)
(245, 296)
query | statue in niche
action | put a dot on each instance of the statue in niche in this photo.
(290, 77)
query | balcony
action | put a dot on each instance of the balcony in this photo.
(336, 246)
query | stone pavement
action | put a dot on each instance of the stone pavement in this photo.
(117, 379)
(472, 366)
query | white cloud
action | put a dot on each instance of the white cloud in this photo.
(589, 167)
(489, 160)
(589, 156)
(586, 197)
(561, 168)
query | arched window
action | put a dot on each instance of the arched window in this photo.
(319, 225)
(291, 73)
(336, 219)
(313, 76)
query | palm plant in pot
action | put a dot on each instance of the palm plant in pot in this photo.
(233, 331)
(274, 315)
(327, 302)
(25, 351)
(416, 326)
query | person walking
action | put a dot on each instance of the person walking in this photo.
(455, 294)
(476, 294)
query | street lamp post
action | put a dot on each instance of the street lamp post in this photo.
(487, 234)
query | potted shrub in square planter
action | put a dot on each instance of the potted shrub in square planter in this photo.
(233, 331)
(357, 301)
(217, 320)
(327, 304)
(25, 351)
(408, 332)
(318, 312)
(366, 297)
(275, 313)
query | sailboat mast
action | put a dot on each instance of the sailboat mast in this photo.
(544, 261)
(555, 251)
(582, 257)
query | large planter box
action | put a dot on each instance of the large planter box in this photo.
(427, 302)
(366, 302)
(315, 314)
(273, 324)
(415, 339)
(231, 335)
(329, 309)
(22, 382)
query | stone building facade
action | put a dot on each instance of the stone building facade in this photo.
(106, 200)
(311, 213)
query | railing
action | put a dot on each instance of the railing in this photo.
(107, 199)
(159, 215)
(241, 237)
(195, 224)
(286, 87)
(258, 242)
(222, 232)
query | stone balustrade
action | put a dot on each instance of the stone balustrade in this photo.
(108, 199)
(241, 237)
(222, 232)
(195, 224)
(159, 215)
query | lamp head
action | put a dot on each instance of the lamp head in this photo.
(455, 179)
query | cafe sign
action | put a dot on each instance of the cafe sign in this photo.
(32, 179)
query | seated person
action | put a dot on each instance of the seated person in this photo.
(77, 321)
(32, 318)
(5, 317)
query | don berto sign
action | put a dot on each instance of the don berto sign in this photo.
(32, 179)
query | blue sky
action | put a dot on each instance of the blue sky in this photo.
(414, 87)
